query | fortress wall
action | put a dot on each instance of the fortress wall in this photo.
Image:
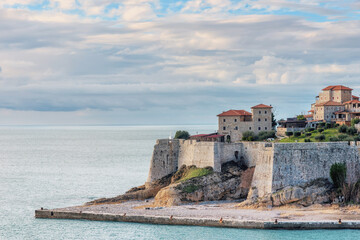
(298, 163)
(200, 154)
(164, 160)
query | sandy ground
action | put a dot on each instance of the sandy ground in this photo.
(226, 210)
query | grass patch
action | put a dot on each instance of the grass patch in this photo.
(190, 188)
(195, 172)
(330, 135)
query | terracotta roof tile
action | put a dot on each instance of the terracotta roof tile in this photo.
(329, 103)
(352, 101)
(355, 97)
(336, 87)
(308, 116)
(262, 106)
(235, 113)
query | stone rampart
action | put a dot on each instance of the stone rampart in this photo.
(276, 164)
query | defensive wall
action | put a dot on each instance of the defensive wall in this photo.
(276, 164)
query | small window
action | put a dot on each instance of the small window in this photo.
(236, 128)
(265, 128)
(249, 128)
(259, 112)
(235, 120)
(224, 128)
(224, 120)
(265, 119)
(259, 120)
(265, 112)
(259, 128)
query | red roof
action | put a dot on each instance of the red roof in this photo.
(216, 136)
(308, 116)
(355, 97)
(336, 87)
(352, 101)
(262, 106)
(311, 111)
(199, 135)
(329, 103)
(235, 113)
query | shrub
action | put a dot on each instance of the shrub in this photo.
(322, 124)
(248, 136)
(336, 125)
(333, 139)
(289, 134)
(343, 129)
(320, 130)
(320, 137)
(342, 137)
(182, 135)
(357, 138)
(355, 121)
(338, 174)
(297, 134)
(328, 125)
(190, 188)
(352, 131)
(266, 134)
(309, 129)
(307, 140)
(315, 131)
(308, 134)
(301, 117)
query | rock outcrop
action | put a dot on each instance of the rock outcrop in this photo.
(318, 191)
(232, 183)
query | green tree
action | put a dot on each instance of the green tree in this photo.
(301, 117)
(355, 121)
(273, 120)
(338, 174)
(182, 134)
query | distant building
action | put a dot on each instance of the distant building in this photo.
(336, 104)
(233, 123)
(290, 125)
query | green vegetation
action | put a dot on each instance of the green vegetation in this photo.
(341, 133)
(301, 117)
(251, 136)
(190, 188)
(338, 174)
(297, 134)
(194, 172)
(182, 135)
(273, 121)
(355, 121)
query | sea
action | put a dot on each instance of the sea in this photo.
(59, 166)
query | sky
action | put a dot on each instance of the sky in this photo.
(153, 62)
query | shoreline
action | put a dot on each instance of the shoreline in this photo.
(218, 214)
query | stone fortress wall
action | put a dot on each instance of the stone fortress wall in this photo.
(276, 164)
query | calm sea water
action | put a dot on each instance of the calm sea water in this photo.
(62, 166)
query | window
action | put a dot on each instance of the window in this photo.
(259, 112)
(265, 112)
(249, 128)
(224, 120)
(259, 128)
(265, 119)
(236, 128)
(224, 128)
(259, 120)
(265, 128)
(235, 120)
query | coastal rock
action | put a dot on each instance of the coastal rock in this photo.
(232, 183)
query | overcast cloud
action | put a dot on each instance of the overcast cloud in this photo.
(167, 62)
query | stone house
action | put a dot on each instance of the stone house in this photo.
(233, 123)
(336, 104)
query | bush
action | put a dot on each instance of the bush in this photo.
(342, 137)
(248, 136)
(265, 135)
(182, 135)
(328, 125)
(289, 134)
(343, 129)
(355, 121)
(357, 138)
(320, 130)
(333, 139)
(320, 137)
(297, 134)
(307, 140)
(308, 134)
(336, 125)
(338, 174)
(309, 129)
(301, 117)
(352, 131)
